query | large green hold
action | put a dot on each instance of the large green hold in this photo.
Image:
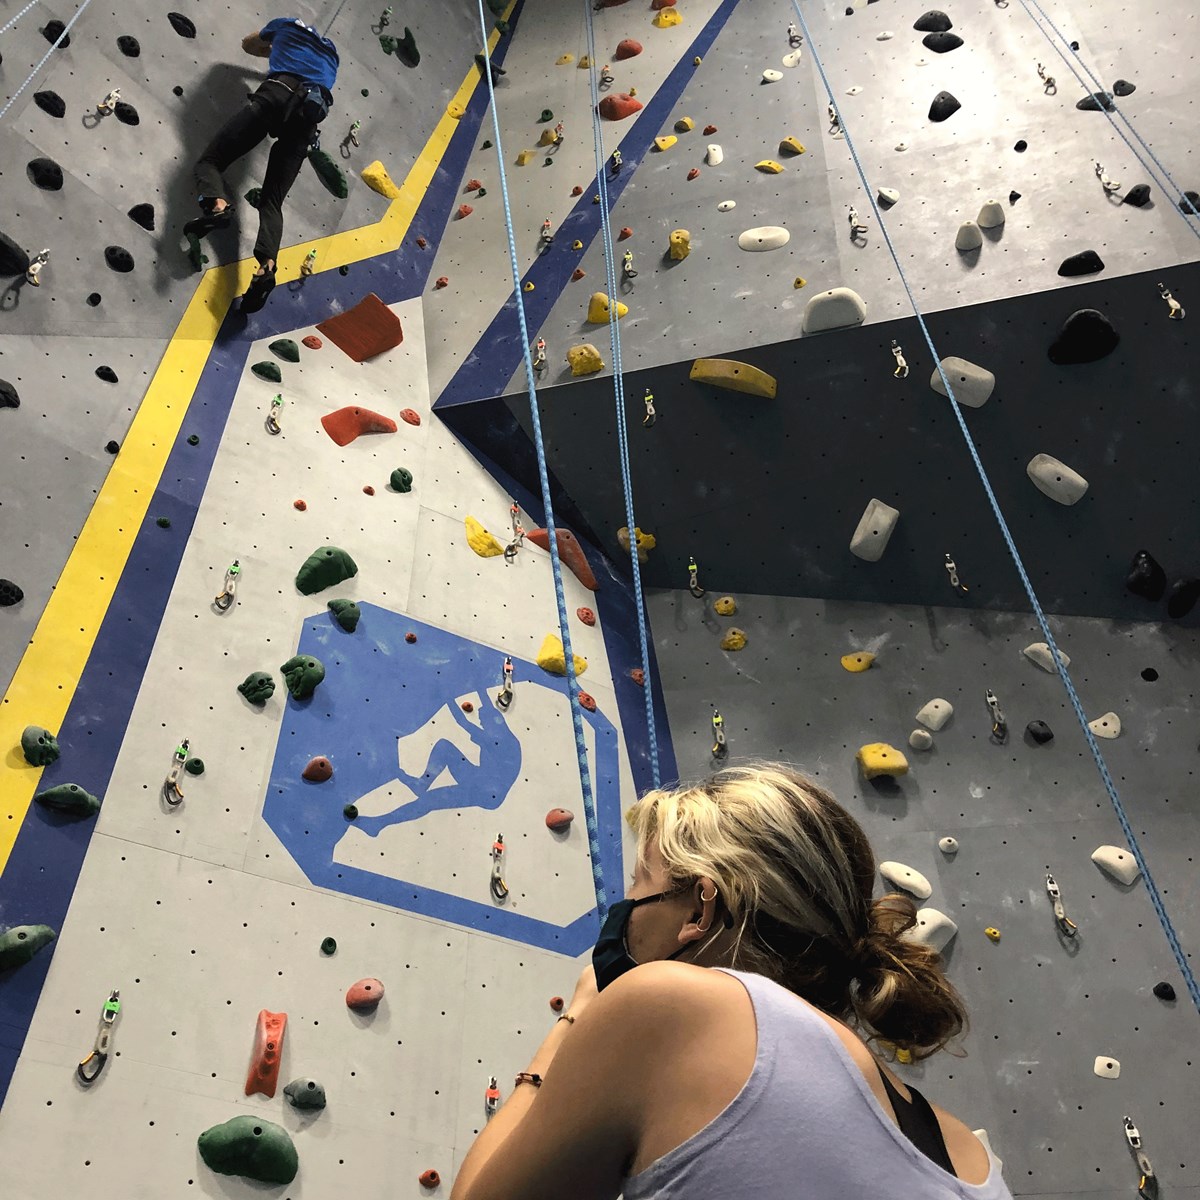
(286, 349)
(250, 1147)
(497, 7)
(302, 673)
(324, 567)
(22, 942)
(70, 798)
(401, 480)
(346, 613)
(268, 370)
(329, 173)
(39, 746)
(258, 687)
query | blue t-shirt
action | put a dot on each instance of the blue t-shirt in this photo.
(298, 49)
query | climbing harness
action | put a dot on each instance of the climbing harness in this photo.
(309, 263)
(499, 887)
(273, 415)
(172, 792)
(1048, 84)
(505, 698)
(694, 579)
(491, 1097)
(90, 1067)
(901, 371)
(1109, 185)
(1148, 1182)
(547, 237)
(109, 103)
(857, 228)
(651, 414)
(39, 260)
(952, 571)
(627, 271)
(1176, 310)
(720, 749)
(224, 598)
(1065, 923)
(999, 723)
(794, 38)
(615, 161)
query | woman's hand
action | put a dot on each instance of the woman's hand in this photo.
(585, 991)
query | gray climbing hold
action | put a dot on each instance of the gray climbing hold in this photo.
(46, 174)
(991, 215)
(1055, 479)
(1096, 102)
(874, 530)
(305, 1093)
(50, 102)
(1086, 335)
(941, 43)
(934, 21)
(968, 237)
(1138, 195)
(944, 105)
(837, 308)
(971, 384)
(1086, 262)
(119, 259)
(1039, 652)
(935, 714)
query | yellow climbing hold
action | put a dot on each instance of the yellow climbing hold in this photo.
(734, 639)
(456, 110)
(790, 145)
(645, 541)
(685, 125)
(633, 91)
(697, 61)
(598, 312)
(680, 242)
(768, 166)
(378, 180)
(564, 60)
(666, 17)
(993, 933)
(576, 245)
(585, 359)
(881, 759)
(799, 281)
(855, 663)
(725, 607)
(734, 376)
(584, 62)
(665, 143)
(482, 542)
(553, 658)
(903, 1056)
(525, 157)
(527, 286)
(548, 138)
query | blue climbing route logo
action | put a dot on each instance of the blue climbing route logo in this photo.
(436, 770)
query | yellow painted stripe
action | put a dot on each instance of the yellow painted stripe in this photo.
(49, 672)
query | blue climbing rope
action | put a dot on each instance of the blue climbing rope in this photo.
(618, 372)
(45, 57)
(1101, 765)
(585, 777)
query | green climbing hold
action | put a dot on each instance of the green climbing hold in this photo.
(406, 49)
(350, 812)
(486, 144)
(547, 115)
(268, 370)
(497, 7)
(194, 766)
(481, 192)
(195, 254)
(346, 613)
(194, 439)
(548, 163)
(302, 673)
(329, 946)
(163, 522)
(39, 746)
(251, 1147)
(69, 798)
(253, 196)
(286, 349)
(258, 687)
(323, 568)
(329, 173)
(21, 943)
(502, 26)
(365, 92)
(387, 44)
(401, 480)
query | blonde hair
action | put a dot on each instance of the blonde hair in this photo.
(796, 875)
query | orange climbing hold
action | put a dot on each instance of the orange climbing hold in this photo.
(577, 190)
(430, 1179)
(578, 273)
(619, 106)
(367, 329)
(422, 243)
(467, 706)
(464, 210)
(559, 819)
(627, 48)
(657, 4)
(267, 1054)
(638, 676)
(319, 770)
(473, 185)
(299, 506)
(694, 173)
(409, 416)
(368, 490)
(313, 342)
(365, 995)
(586, 615)
(410, 638)
(709, 129)
(626, 232)
(440, 282)
(571, 553)
(587, 702)
(349, 423)
(556, 1003)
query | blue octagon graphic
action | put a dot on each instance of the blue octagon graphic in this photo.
(379, 688)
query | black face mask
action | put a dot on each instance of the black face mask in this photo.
(611, 957)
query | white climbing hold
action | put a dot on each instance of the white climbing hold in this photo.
(764, 237)
(972, 384)
(871, 537)
(1107, 726)
(948, 845)
(991, 215)
(1040, 653)
(772, 76)
(1107, 1068)
(898, 875)
(885, 36)
(838, 308)
(853, 91)
(1116, 862)
(714, 156)
(933, 929)
(935, 714)
(793, 59)
(902, 146)
(1056, 480)
(968, 237)
(921, 739)
(889, 195)
(727, 206)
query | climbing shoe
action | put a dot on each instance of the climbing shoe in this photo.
(203, 225)
(260, 288)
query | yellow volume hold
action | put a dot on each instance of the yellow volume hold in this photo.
(734, 377)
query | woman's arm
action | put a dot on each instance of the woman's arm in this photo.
(253, 44)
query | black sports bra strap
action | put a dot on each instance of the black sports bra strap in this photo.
(919, 1124)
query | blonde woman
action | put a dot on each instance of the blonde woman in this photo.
(730, 1062)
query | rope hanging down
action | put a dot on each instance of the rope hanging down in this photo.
(585, 778)
(1101, 765)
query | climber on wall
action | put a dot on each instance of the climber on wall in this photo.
(288, 105)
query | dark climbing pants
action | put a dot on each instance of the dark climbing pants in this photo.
(268, 111)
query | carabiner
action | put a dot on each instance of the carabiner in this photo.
(1148, 1183)
(505, 698)
(1068, 927)
(90, 1067)
(172, 792)
(273, 425)
(491, 1097)
(999, 723)
(694, 579)
(224, 598)
(901, 371)
(518, 532)
(651, 415)
(720, 748)
(1048, 84)
(1175, 310)
(952, 571)
(499, 887)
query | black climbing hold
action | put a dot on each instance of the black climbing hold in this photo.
(1086, 335)
(1182, 597)
(1150, 675)
(849, 12)
(1021, 146)
(1146, 578)
(941, 43)
(1013, 197)
(365, 92)
(344, 270)
(107, 374)
(129, 46)
(1074, 45)
(1164, 991)
(329, 945)
(118, 258)
(486, 144)
(934, 21)
(1040, 732)
(1086, 262)
(181, 25)
(53, 31)
(1096, 102)
(1124, 88)
(93, 299)
(112, 447)
(127, 114)
(944, 105)
(8, 395)
(1138, 195)
(10, 594)
(143, 215)
(350, 812)
(50, 102)
(1189, 203)
(163, 522)
(194, 439)
(177, 90)
(13, 259)
(46, 174)
(406, 49)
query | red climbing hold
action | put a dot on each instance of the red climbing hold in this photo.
(407, 415)
(348, 423)
(578, 273)
(559, 819)
(571, 553)
(365, 995)
(709, 129)
(577, 190)
(694, 173)
(319, 770)
(368, 490)
(299, 506)
(367, 329)
(464, 210)
(556, 1003)
(467, 706)
(441, 282)
(268, 1051)
(587, 702)
(626, 232)
(586, 616)
(430, 1179)
(657, 4)
(619, 106)
(627, 48)
(422, 243)
(638, 676)
(313, 342)
(473, 185)
(410, 638)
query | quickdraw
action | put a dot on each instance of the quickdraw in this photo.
(224, 599)
(1176, 311)
(499, 887)
(1068, 927)
(1109, 185)
(505, 698)
(109, 103)
(172, 792)
(651, 415)
(616, 162)
(952, 571)
(273, 425)
(627, 271)
(606, 76)
(539, 355)
(547, 235)
(999, 723)
(901, 371)
(694, 579)
(90, 1067)
(720, 748)
(794, 38)
(858, 228)
(310, 261)
(352, 136)
(518, 533)
(1048, 84)
(491, 1097)
(835, 122)
(1148, 1182)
